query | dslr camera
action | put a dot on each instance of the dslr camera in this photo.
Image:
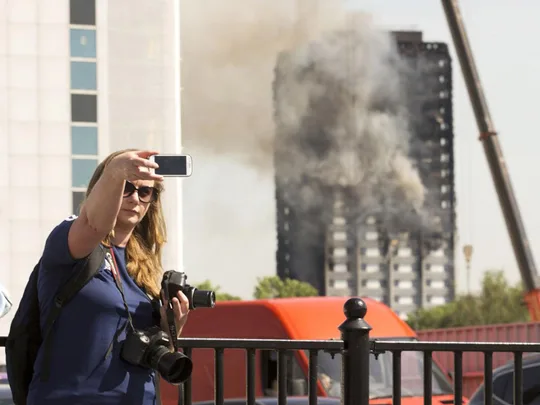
(152, 348)
(174, 281)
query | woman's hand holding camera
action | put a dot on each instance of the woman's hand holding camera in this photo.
(134, 165)
(180, 306)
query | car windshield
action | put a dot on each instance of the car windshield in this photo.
(380, 375)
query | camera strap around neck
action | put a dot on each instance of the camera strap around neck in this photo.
(118, 282)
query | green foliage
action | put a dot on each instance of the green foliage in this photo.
(498, 302)
(220, 296)
(268, 287)
(275, 287)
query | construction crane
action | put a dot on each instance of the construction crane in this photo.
(495, 158)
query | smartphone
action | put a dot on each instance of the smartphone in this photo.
(173, 165)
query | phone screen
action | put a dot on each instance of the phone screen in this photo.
(171, 165)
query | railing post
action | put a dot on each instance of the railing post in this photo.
(355, 368)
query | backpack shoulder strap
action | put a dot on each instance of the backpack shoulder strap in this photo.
(81, 276)
(84, 271)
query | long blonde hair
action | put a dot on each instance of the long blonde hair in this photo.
(143, 250)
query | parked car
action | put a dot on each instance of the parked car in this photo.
(503, 384)
(274, 401)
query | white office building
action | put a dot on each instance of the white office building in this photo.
(78, 80)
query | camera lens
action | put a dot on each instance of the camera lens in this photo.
(206, 299)
(175, 368)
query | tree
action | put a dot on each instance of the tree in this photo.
(220, 296)
(498, 302)
(275, 287)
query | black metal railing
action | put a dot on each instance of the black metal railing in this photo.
(458, 348)
(281, 346)
(353, 345)
(356, 351)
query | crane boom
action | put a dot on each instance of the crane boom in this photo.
(495, 158)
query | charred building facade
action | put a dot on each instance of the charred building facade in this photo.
(344, 247)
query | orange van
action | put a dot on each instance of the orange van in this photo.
(312, 318)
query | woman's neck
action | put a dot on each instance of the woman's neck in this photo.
(121, 237)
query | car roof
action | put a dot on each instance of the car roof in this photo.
(296, 314)
(532, 358)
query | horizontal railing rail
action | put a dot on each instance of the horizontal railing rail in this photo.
(416, 346)
(261, 344)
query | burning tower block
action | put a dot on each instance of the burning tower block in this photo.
(364, 167)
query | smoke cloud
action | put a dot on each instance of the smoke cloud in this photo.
(344, 106)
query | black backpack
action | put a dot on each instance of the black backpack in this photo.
(25, 337)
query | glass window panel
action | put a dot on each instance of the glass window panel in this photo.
(81, 171)
(84, 140)
(83, 76)
(82, 12)
(83, 108)
(77, 199)
(82, 43)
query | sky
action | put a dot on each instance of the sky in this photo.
(502, 35)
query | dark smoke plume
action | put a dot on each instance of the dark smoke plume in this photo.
(344, 107)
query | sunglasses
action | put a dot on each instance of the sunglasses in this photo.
(146, 194)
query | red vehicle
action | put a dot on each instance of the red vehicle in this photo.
(312, 318)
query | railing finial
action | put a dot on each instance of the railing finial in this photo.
(355, 308)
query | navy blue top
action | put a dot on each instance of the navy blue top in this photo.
(80, 372)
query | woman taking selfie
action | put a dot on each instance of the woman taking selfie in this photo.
(122, 211)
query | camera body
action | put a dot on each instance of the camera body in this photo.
(136, 349)
(152, 349)
(174, 281)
